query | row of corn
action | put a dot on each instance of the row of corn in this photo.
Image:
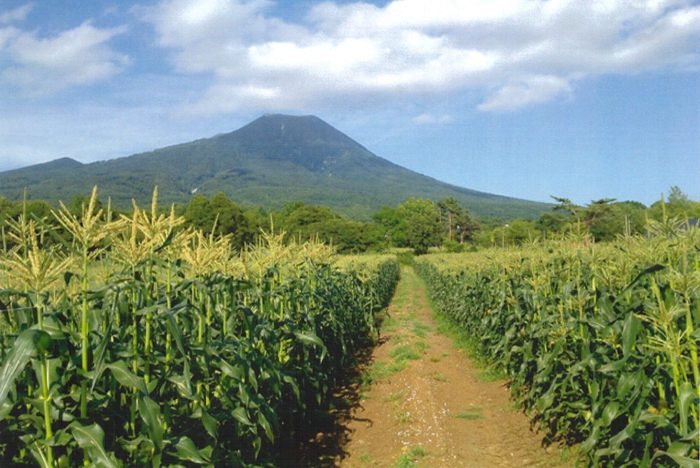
(135, 342)
(600, 341)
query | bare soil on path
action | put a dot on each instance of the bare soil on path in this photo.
(426, 406)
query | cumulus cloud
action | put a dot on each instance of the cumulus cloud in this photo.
(42, 65)
(517, 52)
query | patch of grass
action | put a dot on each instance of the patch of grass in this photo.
(365, 458)
(410, 457)
(490, 374)
(439, 378)
(405, 353)
(418, 452)
(403, 416)
(397, 339)
(422, 346)
(389, 324)
(434, 359)
(395, 397)
(471, 414)
(382, 369)
(420, 329)
(461, 340)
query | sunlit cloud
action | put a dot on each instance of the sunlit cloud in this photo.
(525, 92)
(42, 65)
(517, 53)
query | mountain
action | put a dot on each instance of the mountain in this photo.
(269, 162)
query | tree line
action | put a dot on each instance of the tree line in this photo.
(417, 224)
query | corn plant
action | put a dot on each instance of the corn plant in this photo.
(599, 341)
(137, 343)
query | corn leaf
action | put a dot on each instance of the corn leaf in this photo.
(186, 450)
(125, 377)
(91, 438)
(26, 344)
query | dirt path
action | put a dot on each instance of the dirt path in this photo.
(425, 406)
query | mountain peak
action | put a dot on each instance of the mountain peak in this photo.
(305, 126)
(273, 160)
(306, 141)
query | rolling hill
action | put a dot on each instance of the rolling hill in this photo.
(269, 162)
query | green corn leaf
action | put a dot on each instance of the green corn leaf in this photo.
(99, 364)
(630, 330)
(39, 456)
(235, 373)
(176, 333)
(26, 344)
(5, 409)
(688, 394)
(125, 377)
(610, 412)
(545, 401)
(183, 386)
(262, 421)
(648, 271)
(91, 438)
(677, 452)
(614, 367)
(186, 450)
(241, 416)
(309, 338)
(167, 242)
(628, 382)
(211, 425)
(151, 416)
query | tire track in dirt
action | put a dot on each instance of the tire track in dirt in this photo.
(426, 407)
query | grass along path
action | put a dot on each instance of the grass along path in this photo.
(424, 403)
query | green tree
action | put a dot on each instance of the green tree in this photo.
(319, 222)
(423, 229)
(457, 224)
(678, 206)
(8, 210)
(220, 214)
(519, 231)
(604, 219)
(198, 213)
(304, 221)
(392, 226)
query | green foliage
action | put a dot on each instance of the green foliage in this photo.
(599, 341)
(221, 216)
(678, 206)
(457, 224)
(163, 349)
(304, 222)
(422, 220)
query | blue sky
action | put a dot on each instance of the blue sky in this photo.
(583, 99)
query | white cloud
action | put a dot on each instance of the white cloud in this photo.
(42, 65)
(527, 91)
(18, 14)
(519, 52)
(431, 119)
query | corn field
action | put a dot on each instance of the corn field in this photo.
(600, 341)
(135, 342)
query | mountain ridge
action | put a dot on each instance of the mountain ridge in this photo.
(270, 161)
